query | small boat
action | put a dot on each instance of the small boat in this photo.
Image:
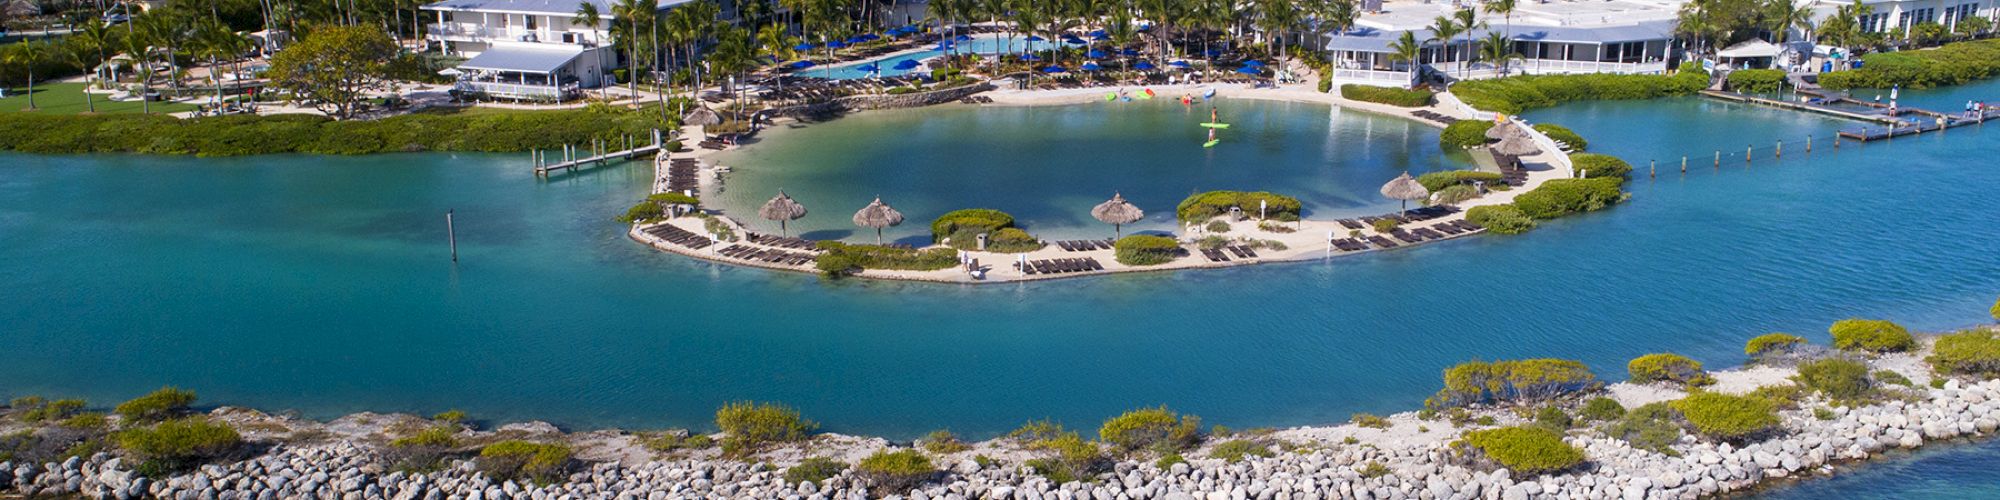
(1206, 94)
(1110, 96)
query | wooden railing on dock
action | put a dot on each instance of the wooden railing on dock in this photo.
(573, 157)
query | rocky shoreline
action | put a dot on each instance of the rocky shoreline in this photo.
(1409, 457)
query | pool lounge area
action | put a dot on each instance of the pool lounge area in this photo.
(894, 65)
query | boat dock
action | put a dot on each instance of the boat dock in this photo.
(1896, 121)
(574, 157)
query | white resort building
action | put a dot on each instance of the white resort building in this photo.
(528, 49)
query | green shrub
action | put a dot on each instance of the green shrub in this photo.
(645, 211)
(1157, 429)
(1146, 250)
(1770, 344)
(180, 444)
(452, 416)
(1996, 310)
(1217, 227)
(1453, 195)
(1073, 459)
(1520, 380)
(1756, 80)
(1369, 421)
(240, 135)
(424, 451)
(165, 403)
(1501, 219)
(1553, 418)
(1234, 450)
(838, 259)
(516, 459)
(442, 437)
(1780, 395)
(1668, 367)
(1652, 427)
(1526, 451)
(1891, 377)
(1008, 240)
(1204, 206)
(976, 220)
(749, 426)
(1408, 98)
(1601, 409)
(896, 472)
(1728, 418)
(1595, 165)
(1970, 352)
(86, 421)
(677, 440)
(1561, 197)
(1837, 379)
(1385, 226)
(1437, 181)
(943, 442)
(1951, 64)
(1325, 85)
(51, 411)
(1167, 462)
(1463, 134)
(1515, 94)
(813, 470)
(1871, 335)
(1563, 135)
(1373, 469)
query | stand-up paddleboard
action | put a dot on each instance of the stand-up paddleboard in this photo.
(1211, 143)
(1215, 125)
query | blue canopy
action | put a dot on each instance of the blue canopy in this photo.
(1179, 64)
(802, 64)
(1053, 69)
(1096, 33)
(869, 68)
(1253, 62)
(1249, 70)
(1073, 40)
(1143, 65)
(961, 38)
(1129, 51)
(1030, 57)
(856, 40)
(803, 46)
(835, 44)
(1095, 54)
(1090, 66)
(908, 64)
(867, 37)
(1213, 52)
(1099, 36)
(1033, 38)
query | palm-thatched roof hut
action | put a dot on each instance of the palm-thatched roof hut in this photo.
(782, 209)
(1405, 188)
(1502, 130)
(701, 116)
(1117, 212)
(878, 215)
(1517, 145)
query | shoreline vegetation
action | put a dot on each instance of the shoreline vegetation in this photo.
(240, 135)
(1544, 428)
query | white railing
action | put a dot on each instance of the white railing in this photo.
(1561, 66)
(519, 90)
(1447, 100)
(1371, 77)
(475, 31)
(1547, 145)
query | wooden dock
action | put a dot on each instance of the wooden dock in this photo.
(576, 157)
(1807, 107)
(1896, 121)
(1936, 122)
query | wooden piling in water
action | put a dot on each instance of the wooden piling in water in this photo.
(1779, 150)
(1718, 158)
(1652, 168)
(1808, 144)
(1684, 164)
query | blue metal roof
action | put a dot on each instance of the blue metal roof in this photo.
(525, 60)
(1376, 40)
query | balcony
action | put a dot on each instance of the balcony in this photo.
(475, 32)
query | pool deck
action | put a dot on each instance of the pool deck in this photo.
(1310, 239)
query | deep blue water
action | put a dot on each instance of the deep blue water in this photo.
(322, 284)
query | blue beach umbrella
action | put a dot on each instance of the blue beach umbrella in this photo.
(1213, 52)
(1249, 70)
(1129, 51)
(1254, 62)
(962, 38)
(1096, 33)
(803, 46)
(1053, 69)
(869, 68)
(908, 64)
(1095, 54)
(1030, 57)
(802, 65)
(1073, 40)
(1033, 38)
(835, 44)
(1143, 66)
(1090, 66)
(1179, 64)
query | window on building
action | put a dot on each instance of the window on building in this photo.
(531, 23)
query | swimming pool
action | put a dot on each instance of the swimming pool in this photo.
(981, 44)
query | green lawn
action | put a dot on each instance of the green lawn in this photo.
(67, 98)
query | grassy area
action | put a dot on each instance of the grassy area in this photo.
(67, 99)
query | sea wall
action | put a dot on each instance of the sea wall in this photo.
(1411, 458)
(880, 101)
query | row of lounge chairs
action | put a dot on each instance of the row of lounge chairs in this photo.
(1433, 116)
(1060, 266)
(1222, 254)
(766, 255)
(1418, 235)
(1512, 173)
(678, 236)
(976, 99)
(783, 241)
(713, 144)
(1083, 245)
(1407, 216)
(1460, 226)
(681, 175)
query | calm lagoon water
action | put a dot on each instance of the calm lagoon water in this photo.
(323, 284)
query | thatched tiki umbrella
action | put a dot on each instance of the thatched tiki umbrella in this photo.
(1117, 213)
(1518, 144)
(782, 209)
(1405, 188)
(878, 215)
(1502, 130)
(702, 117)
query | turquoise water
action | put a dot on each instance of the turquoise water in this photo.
(1938, 471)
(980, 44)
(1049, 165)
(323, 284)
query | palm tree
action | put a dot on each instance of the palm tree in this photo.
(1500, 50)
(217, 42)
(1443, 30)
(1276, 17)
(1505, 8)
(587, 15)
(1468, 22)
(1783, 15)
(27, 55)
(1407, 49)
(86, 49)
(635, 13)
(1121, 31)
